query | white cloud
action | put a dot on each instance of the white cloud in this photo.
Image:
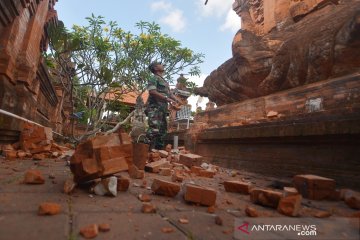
(232, 22)
(221, 9)
(160, 5)
(175, 20)
(216, 8)
(173, 17)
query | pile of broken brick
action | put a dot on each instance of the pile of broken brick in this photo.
(35, 142)
(98, 164)
(101, 158)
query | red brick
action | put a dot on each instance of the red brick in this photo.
(196, 170)
(314, 187)
(39, 156)
(265, 197)
(290, 191)
(10, 154)
(124, 138)
(352, 199)
(167, 230)
(322, 214)
(165, 171)
(154, 167)
(48, 208)
(144, 197)
(200, 195)
(251, 212)
(237, 187)
(69, 186)
(104, 227)
(165, 188)
(90, 231)
(190, 159)
(41, 149)
(207, 173)
(110, 140)
(211, 209)
(177, 177)
(140, 155)
(92, 160)
(154, 156)
(21, 154)
(163, 153)
(123, 184)
(290, 205)
(148, 208)
(135, 173)
(33, 177)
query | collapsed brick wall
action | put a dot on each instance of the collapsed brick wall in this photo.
(26, 86)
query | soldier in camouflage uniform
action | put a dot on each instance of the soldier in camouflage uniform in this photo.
(157, 107)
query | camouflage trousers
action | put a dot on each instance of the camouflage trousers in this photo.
(157, 125)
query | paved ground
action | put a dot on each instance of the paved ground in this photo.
(19, 204)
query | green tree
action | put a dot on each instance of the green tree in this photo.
(107, 60)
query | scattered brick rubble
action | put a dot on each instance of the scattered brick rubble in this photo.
(111, 162)
(36, 142)
(48, 208)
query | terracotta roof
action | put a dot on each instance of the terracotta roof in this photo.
(127, 98)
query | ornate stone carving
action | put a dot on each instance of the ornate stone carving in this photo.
(285, 44)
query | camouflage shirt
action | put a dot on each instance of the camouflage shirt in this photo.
(160, 85)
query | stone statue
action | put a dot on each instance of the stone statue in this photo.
(285, 44)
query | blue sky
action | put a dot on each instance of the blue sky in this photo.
(208, 29)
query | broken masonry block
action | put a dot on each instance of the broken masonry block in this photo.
(207, 173)
(265, 197)
(100, 156)
(314, 187)
(200, 195)
(165, 188)
(69, 186)
(290, 191)
(237, 187)
(140, 155)
(165, 171)
(196, 170)
(104, 227)
(34, 177)
(135, 173)
(190, 159)
(48, 208)
(90, 231)
(251, 212)
(177, 177)
(290, 205)
(154, 167)
(163, 153)
(144, 197)
(154, 156)
(352, 199)
(123, 184)
(148, 208)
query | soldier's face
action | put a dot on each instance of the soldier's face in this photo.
(159, 69)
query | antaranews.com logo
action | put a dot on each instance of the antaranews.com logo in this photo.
(296, 228)
(301, 230)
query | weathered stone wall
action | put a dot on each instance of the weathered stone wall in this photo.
(284, 44)
(309, 129)
(26, 85)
